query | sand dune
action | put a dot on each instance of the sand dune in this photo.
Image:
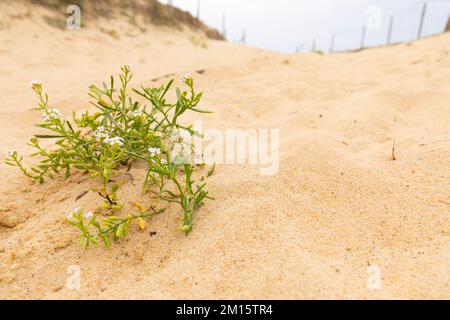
(337, 205)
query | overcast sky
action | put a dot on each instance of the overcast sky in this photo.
(284, 25)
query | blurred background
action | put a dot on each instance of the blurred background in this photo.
(322, 25)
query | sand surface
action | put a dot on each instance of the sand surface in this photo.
(337, 206)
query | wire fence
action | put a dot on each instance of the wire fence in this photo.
(422, 18)
(371, 22)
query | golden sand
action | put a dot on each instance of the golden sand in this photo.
(338, 205)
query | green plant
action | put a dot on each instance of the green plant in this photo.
(107, 142)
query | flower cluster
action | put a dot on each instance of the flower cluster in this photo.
(101, 133)
(154, 151)
(35, 84)
(114, 141)
(137, 113)
(77, 211)
(186, 78)
(51, 114)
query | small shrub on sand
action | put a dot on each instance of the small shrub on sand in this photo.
(107, 142)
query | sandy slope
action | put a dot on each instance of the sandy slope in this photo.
(337, 205)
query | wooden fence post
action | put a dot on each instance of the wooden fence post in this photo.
(198, 9)
(363, 36)
(332, 43)
(447, 27)
(391, 24)
(243, 37)
(224, 31)
(422, 19)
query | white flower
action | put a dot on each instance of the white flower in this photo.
(88, 215)
(55, 111)
(84, 113)
(154, 151)
(186, 77)
(35, 84)
(101, 133)
(70, 216)
(51, 114)
(163, 161)
(76, 210)
(115, 141)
